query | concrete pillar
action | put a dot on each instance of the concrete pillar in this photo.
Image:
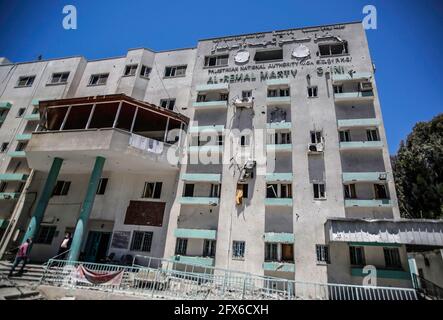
(86, 208)
(42, 203)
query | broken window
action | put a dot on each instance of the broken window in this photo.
(350, 192)
(201, 98)
(209, 248)
(21, 146)
(61, 188)
(357, 256)
(287, 252)
(4, 146)
(331, 49)
(319, 191)
(102, 186)
(131, 70)
(246, 94)
(3, 186)
(98, 79)
(380, 191)
(188, 190)
(345, 136)
(145, 71)
(338, 88)
(392, 258)
(167, 103)
(322, 253)
(181, 246)
(215, 191)
(316, 137)
(271, 252)
(25, 81)
(372, 135)
(283, 92)
(214, 61)
(60, 77)
(224, 96)
(20, 112)
(152, 190)
(312, 92)
(268, 55)
(175, 71)
(45, 234)
(238, 249)
(141, 241)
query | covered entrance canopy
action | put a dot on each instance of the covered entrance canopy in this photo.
(411, 232)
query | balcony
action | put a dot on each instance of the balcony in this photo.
(382, 273)
(349, 177)
(17, 154)
(361, 145)
(9, 195)
(207, 201)
(279, 177)
(213, 87)
(280, 202)
(13, 177)
(358, 76)
(201, 177)
(279, 125)
(277, 82)
(270, 101)
(5, 105)
(197, 261)
(206, 129)
(279, 266)
(23, 137)
(287, 147)
(195, 234)
(32, 117)
(275, 237)
(219, 104)
(354, 96)
(131, 135)
(356, 123)
(368, 203)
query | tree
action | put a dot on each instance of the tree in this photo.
(418, 171)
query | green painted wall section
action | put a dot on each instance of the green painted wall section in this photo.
(9, 195)
(355, 76)
(383, 273)
(361, 145)
(86, 208)
(279, 147)
(278, 177)
(17, 154)
(353, 95)
(198, 261)
(279, 266)
(23, 137)
(279, 125)
(42, 203)
(279, 237)
(368, 203)
(212, 87)
(199, 200)
(196, 233)
(35, 102)
(32, 117)
(203, 177)
(5, 105)
(13, 177)
(375, 244)
(358, 123)
(210, 104)
(362, 176)
(285, 202)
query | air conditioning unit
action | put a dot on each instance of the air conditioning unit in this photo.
(316, 147)
(382, 176)
(247, 170)
(366, 86)
(244, 102)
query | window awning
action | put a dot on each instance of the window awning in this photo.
(401, 231)
(5, 105)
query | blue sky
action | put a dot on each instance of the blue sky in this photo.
(407, 46)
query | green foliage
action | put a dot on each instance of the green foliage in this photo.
(418, 171)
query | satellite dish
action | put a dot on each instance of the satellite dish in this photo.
(301, 51)
(242, 56)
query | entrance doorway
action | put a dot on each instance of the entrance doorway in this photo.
(96, 246)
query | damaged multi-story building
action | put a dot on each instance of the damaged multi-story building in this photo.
(262, 152)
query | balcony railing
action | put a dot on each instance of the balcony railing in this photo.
(194, 260)
(354, 145)
(365, 203)
(364, 176)
(210, 201)
(279, 266)
(355, 123)
(195, 233)
(282, 202)
(220, 104)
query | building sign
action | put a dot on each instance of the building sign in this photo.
(120, 239)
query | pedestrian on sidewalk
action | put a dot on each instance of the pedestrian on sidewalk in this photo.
(22, 255)
(64, 246)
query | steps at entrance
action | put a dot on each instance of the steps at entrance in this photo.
(31, 272)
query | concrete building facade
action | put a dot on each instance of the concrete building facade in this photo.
(283, 133)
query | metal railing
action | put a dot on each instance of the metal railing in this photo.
(427, 288)
(161, 278)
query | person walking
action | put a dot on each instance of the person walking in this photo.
(22, 255)
(64, 246)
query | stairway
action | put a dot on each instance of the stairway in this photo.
(20, 287)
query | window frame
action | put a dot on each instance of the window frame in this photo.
(321, 190)
(271, 252)
(219, 57)
(323, 254)
(102, 181)
(132, 72)
(181, 246)
(61, 188)
(238, 249)
(155, 193)
(28, 79)
(144, 244)
(209, 248)
(61, 76)
(47, 232)
(173, 71)
(99, 77)
(345, 48)
(391, 259)
(168, 102)
(312, 91)
(145, 71)
(356, 258)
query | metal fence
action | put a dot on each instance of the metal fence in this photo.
(165, 279)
